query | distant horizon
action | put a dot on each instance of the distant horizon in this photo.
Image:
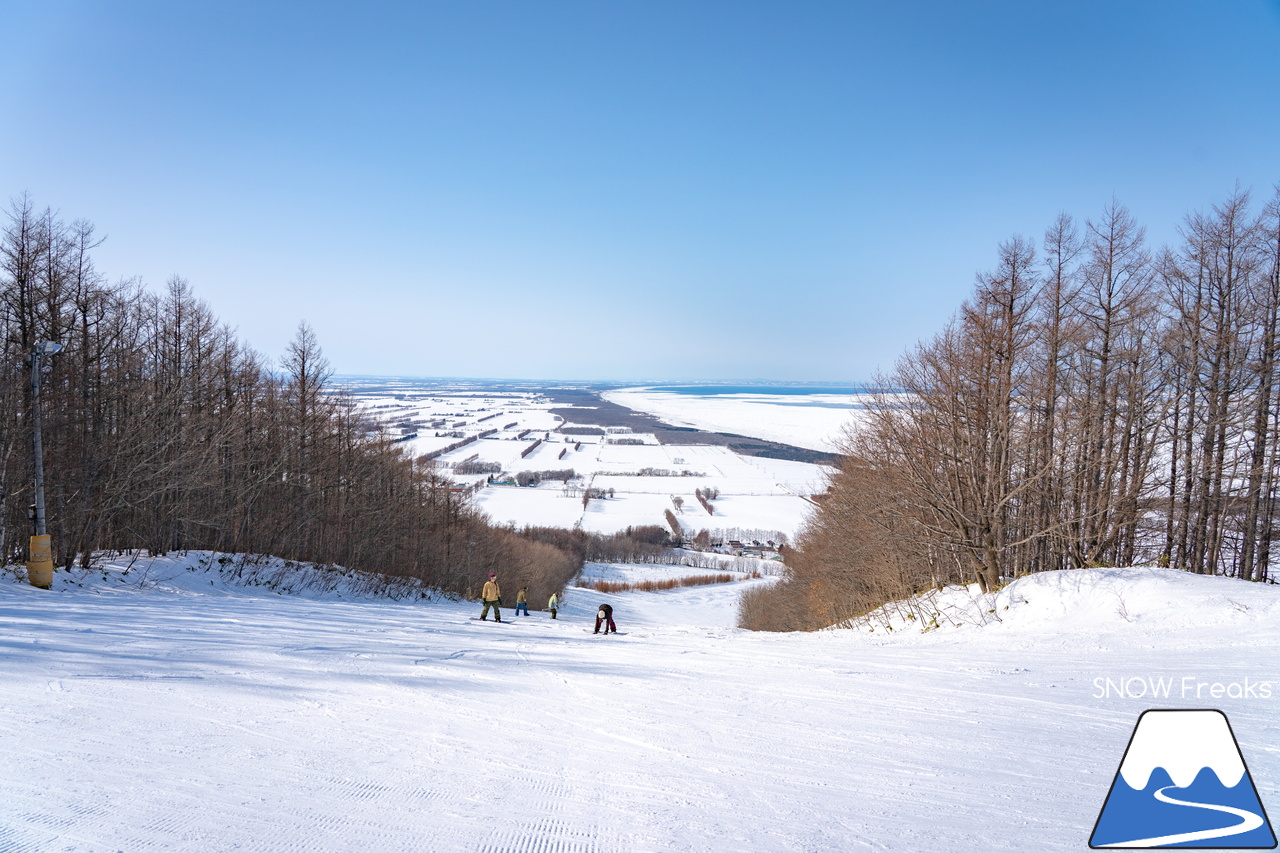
(656, 383)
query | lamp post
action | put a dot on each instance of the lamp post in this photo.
(40, 563)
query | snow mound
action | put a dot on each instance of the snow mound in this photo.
(1084, 600)
(218, 574)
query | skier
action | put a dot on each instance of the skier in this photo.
(553, 605)
(492, 597)
(605, 615)
(522, 601)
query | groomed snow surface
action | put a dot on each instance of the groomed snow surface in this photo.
(171, 709)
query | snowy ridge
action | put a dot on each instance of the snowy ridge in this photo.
(1141, 598)
(218, 574)
(1183, 743)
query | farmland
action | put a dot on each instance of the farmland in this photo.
(562, 457)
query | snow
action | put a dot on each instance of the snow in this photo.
(764, 494)
(798, 477)
(445, 408)
(172, 709)
(505, 451)
(755, 493)
(606, 515)
(785, 513)
(543, 506)
(817, 422)
(632, 457)
(1097, 601)
(652, 485)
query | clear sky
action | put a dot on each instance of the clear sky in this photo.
(612, 189)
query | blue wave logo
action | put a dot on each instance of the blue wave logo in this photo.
(1183, 783)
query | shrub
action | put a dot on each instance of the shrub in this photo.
(673, 523)
(656, 585)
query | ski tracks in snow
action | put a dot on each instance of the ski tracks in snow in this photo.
(277, 725)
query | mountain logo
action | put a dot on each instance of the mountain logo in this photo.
(1183, 783)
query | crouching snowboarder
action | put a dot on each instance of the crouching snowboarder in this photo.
(605, 616)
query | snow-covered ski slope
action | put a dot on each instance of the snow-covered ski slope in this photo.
(187, 714)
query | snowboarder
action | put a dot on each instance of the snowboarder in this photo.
(492, 597)
(522, 601)
(605, 615)
(553, 605)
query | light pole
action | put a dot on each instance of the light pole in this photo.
(40, 564)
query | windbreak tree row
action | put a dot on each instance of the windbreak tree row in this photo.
(163, 431)
(1093, 402)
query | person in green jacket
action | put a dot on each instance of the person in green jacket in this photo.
(553, 605)
(522, 601)
(492, 597)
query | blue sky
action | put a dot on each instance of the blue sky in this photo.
(619, 190)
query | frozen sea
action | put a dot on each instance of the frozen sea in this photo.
(810, 416)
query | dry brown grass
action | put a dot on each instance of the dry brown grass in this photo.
(659, 585)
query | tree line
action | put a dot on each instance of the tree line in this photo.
(164, 431)
(1093, 402)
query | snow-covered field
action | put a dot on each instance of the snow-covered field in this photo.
(767, 496)
(168, 709)
(815, 421)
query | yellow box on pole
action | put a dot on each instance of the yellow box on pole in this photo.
(40, 566)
